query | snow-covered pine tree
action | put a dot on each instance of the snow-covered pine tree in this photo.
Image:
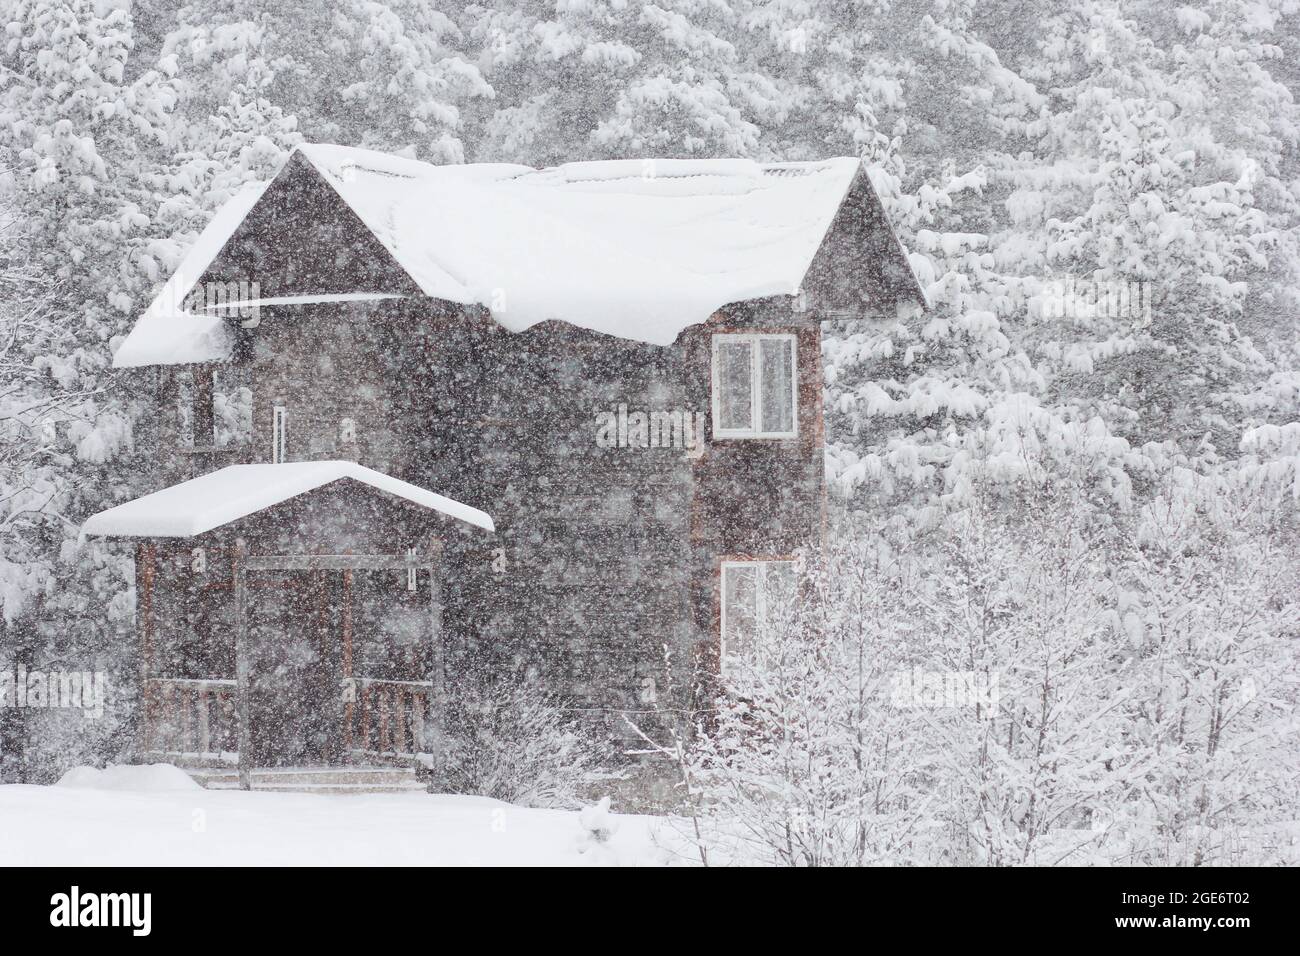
(1110, 163)
(600, 78)
(388, 76)
(1159, 168)
(80, 140)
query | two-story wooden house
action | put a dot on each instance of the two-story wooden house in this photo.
(413, 420)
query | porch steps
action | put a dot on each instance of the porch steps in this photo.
(315, 779)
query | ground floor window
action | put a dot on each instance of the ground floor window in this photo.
(751, 590)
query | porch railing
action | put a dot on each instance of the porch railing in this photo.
(194, 720)
(197, 722)
(388, 720)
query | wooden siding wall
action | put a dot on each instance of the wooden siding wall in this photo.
(596, 538)
(611, 555)
(325, 363)
(300, 238)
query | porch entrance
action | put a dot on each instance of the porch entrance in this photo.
(339, 663)
(295, 663)
(290, 613)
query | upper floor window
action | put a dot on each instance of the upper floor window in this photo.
(232, 407)
(755, 386)
(279, 434)
(751, 593)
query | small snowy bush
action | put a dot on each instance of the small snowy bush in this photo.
(511, 740)
(597, 826)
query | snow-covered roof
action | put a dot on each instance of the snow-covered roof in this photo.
(234, 492)
(639, 249)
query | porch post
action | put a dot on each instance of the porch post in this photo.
(350, 698)
(204, 413)
(145, 566)
(436, 722)
(241, 664)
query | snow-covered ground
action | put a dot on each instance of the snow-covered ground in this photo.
(137, 816)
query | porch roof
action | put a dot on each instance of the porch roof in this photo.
(234, 492)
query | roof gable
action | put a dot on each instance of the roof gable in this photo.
(861, 265)
(293, 237)
(301, 239)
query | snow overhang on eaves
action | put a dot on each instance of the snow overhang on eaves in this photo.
(168, 334)
(636, 249)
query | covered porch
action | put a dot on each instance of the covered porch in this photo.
(290, 619)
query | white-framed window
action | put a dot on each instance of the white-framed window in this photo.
(279, 434)
(755, 385)
(750, 592)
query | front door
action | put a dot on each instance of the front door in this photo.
(295, 651)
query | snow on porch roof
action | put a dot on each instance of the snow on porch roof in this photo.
(639, 249)
(234, 492)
